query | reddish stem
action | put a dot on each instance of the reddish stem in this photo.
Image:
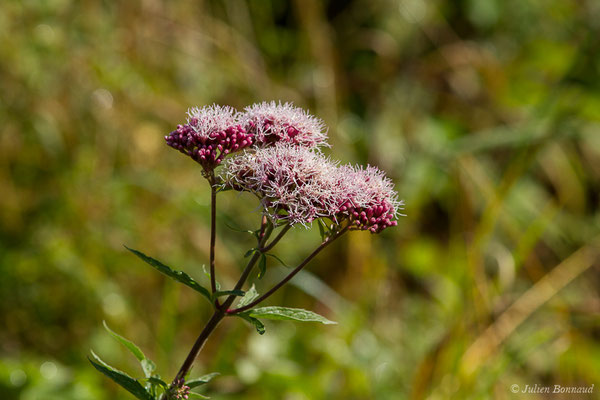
(326, 243)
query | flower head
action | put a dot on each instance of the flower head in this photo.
(213, 132)
(298, 185)
(180, 390)
(291, 181)
(209, 135)
(368, 198)
(283, 123)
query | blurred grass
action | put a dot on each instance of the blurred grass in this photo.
(485, 113)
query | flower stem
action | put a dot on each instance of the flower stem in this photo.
(213, 232)
(263, 225)
(218, 315)
(189, 361)
(326, 243)
(277, 239)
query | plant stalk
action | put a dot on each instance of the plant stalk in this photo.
(213, 233)
(285, 280)
(218, 315)
(276, 240)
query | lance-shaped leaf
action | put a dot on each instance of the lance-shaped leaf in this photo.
(219, 293)
(126, 381)
(179, 276)
(250, 252)
(194, 395)
(202, 380)
(278, 259)
(286, 313)
(250, 295)
(253, 233)
(262, 266)
(321, 229)
(207, 274)
(158, 382)
(239, 293)
(148, 365)
(260, 327)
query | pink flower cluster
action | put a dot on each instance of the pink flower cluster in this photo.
(213, 132)
(210, 134)
(283, 123)
(370, 200)
(282, 165)
(298, 185)
(292, 182)
(180, 391)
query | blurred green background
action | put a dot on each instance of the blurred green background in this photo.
(484, 112)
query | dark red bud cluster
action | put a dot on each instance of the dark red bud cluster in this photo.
(374, 219)
(209, 150)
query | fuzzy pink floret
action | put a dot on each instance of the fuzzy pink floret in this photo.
(368, 198)
(291, 181)
(210, 134)
(213, 132)
(273, 122)
(298, 185)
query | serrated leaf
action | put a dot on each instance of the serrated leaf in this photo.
(250, 295)
(291, 314)
(147, 365)
(179, 276)
(262, 266)
(202, 380)
(260, 327)
(121, 378)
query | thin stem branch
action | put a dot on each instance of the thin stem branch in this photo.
(263, 224)
(213, 232)
(218, 314)
(290, 275)
(189, 361)
(249, 267)
(277, 239)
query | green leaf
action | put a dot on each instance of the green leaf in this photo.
(136, 351)
(262, 266)
(219, 293)
(321, 229)
(147, 365)
(278, 259)
(197, 395)
(202, 380)
(158, 382)
(127, 382)
(240, 230)
(179, 276)
(224, 188)
(207, 273)
(250, 252)
(260, 327)
(250, 295)
(286, 313)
